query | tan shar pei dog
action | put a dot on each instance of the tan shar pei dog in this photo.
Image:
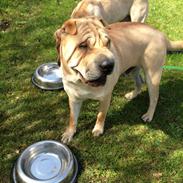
(112, 10)
(93, 57)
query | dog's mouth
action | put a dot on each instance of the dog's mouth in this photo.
(97, 82)
(100, 81)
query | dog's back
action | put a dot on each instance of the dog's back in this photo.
(112, 10)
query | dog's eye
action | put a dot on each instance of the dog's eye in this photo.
(83, 46)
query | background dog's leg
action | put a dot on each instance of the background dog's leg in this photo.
(138, 84)
(139, 11)
(99, 126)
(75, 106)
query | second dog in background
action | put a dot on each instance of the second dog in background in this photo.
(112, 10)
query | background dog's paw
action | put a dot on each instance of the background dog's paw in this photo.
(97, 131)
(67, 136)
(131, 95)
(147, 117)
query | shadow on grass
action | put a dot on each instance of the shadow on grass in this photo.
(168, 115)
(129, 149)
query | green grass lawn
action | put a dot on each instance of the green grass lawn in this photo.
(130, 150)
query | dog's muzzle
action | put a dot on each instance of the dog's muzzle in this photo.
(105, 67)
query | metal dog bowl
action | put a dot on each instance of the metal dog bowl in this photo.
(48, 77)
(46, 162)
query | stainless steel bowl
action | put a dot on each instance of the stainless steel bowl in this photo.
(46, 162)
(48, 77)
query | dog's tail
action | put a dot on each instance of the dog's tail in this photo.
(174, 46)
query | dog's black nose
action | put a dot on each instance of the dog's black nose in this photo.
(107, 66)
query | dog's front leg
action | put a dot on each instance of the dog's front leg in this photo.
(75, 106)
(99, 126)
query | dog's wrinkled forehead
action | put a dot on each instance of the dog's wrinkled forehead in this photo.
(92, 30)
(77, 32)
(85, 28)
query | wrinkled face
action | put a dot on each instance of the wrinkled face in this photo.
(84, 49)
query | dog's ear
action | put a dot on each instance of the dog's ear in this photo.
(64, 47)
(57, 36)
(69, 42)
(69, 27)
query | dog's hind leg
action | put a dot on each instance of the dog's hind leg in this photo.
(138, 84)
(103, 108)
(153, 62)
(153, 81)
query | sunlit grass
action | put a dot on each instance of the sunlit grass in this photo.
(130, 150)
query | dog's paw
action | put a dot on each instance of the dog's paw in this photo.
(67, 136)
(147, 117)
(97, 131)
(131, 95)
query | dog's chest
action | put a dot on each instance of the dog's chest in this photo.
(83, 91)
